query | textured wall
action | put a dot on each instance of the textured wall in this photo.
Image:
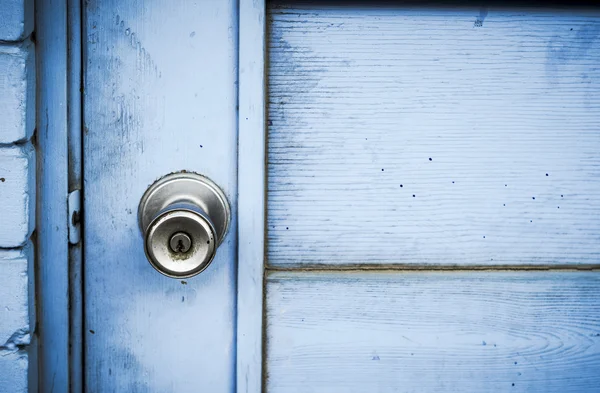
(17, 192)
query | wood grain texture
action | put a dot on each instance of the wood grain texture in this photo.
(17, 194)
(251, 196)
(17, 92)
(160, 96)
(455, 136)
(16, 19)
(52, 259)
(15, 334)
(433, 332)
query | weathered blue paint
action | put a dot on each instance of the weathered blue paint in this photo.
(155, 104)
(160, 96)
(17, 194)
(415, 136)
(17, 91)
(15, 319)
(16, 19)
(52, 246)
(75, 182)
(251, 200)
(18, 355)
(432, 138)
(433, 332)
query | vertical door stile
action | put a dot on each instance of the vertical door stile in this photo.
(251, 188)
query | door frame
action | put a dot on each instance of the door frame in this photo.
(58, 266)
(58, 285)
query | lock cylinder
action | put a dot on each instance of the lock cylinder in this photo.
(183, 218)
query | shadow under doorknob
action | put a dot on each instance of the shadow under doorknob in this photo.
(183, 218)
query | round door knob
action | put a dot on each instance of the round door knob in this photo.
(183, 218)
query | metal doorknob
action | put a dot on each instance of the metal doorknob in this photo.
(183, 218)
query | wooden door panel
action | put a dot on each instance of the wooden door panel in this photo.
(433, 135)
(159, 97)
(433, 332)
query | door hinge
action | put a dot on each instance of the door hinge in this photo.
(74, 206)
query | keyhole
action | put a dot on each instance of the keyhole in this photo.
(180, 242)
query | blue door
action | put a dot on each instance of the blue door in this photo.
(414, 197)
(159, 97)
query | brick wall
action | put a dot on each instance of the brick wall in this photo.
(17, 194)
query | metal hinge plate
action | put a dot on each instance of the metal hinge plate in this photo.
(74, 206)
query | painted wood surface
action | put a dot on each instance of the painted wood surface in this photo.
(16, 19)
(433, 332)
(75, 182)
(251, 196)
(52, 254)
(452, 136)
(160, 96)
(17, 92)
(16, 282)
(17, 194)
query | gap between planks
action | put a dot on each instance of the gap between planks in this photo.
(421, 268)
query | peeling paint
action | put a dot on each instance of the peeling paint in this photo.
(18, 341)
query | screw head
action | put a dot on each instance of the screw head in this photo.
(180, 242)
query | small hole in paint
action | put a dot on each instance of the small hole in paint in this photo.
(430, 159)
(401, 186)
(414, 195)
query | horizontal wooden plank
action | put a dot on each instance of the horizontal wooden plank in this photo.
(17, 194)
(16, 19)
(433, 136)
(17, 92)
(433, 332)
